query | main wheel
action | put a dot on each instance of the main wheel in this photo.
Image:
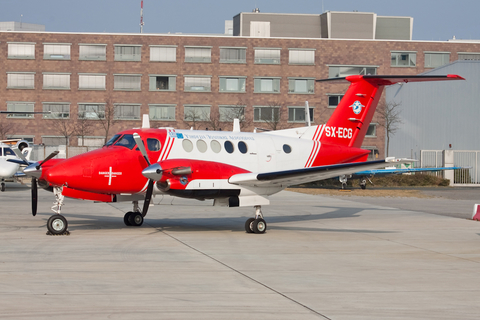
(3, 186)
(259, 226)
(135, 219)
(363, 186)
(57, 224)
(249, 225)
(126, 218)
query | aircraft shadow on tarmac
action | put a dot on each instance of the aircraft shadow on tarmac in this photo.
(233, 224)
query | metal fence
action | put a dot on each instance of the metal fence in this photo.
(462, 158)
(40, 152)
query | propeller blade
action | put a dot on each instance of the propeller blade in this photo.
(34, 196)
(50, 156)
(141, 146)
(20, 155)
(148, 197)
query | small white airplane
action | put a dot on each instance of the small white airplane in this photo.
(10, 171)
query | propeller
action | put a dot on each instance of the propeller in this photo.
(34, 170)
(151, 182)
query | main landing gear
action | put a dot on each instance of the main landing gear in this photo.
(257, 224)
(133, 218)
(3, 186)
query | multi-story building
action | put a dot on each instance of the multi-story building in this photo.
(194, 80)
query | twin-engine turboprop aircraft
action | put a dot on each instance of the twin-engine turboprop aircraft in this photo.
(10, 170)
(233, 168)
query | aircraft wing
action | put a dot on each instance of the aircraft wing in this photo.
(21, 162)
(385, 172)
(293, 177)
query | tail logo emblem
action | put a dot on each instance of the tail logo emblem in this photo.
(357, 107)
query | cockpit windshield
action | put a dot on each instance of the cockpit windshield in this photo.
(126, 141)
(113, 140)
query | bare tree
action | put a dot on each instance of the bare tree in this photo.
(63, 126)
(213, 119)
(390, 119)
(83, 127)
(194, 117)
(272, 115)
(5, 128)
(236, 111)
(106, 117)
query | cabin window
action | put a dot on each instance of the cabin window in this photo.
(229, 146)
(215, 146)
(187, 145)
(287, 148)
(242, 146)
(201, 146)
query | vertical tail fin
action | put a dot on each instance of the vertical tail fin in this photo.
(349, 122)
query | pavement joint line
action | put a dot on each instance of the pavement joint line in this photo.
(246, 276)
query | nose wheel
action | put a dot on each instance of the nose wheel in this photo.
(57, 225)
(134, 219)
(257, 224)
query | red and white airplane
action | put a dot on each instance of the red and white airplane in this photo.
(233, 168)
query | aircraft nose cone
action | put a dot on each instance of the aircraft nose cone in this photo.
(33, 171)
(153, 172)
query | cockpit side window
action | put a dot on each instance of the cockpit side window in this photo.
(112, 140)
(126, 141)
(8, 152)
(153, 144)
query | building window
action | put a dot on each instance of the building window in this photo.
(267, 85)
(56, 81)
(228, 113)
(299, 56)
(345, 71)
(468, 56)
(233, 55)
(334, 100)
(197, 84)
(56, 51)
(56, 110)
(232, 84)
(22, 80)
(21, 50)
(91, 141)
(196, 113)
(403, 59)
(371, 131)
(128, 52)
(91, 81)
(266, 113)
(267, 56)
(93, 52)
(436, 59)
(163, 54)
(20, 107)
(54, 141)
(297, 114)
(127, 112)
(91, 111)
(162, 83)
(127, 82)
(198, 54)
(373, 155)
(162, 112)
(301, 85)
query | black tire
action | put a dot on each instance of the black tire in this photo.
(363, 186)
(126, 218)
(3, 186)
(259, 226)
(249, 225)
(57, 224)
(136, 219)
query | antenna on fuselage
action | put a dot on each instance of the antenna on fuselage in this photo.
(145, 121)
(307, 115)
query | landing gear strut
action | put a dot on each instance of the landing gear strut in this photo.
(257, 224)
(135, 217)
(57, 224)
(3, 186)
